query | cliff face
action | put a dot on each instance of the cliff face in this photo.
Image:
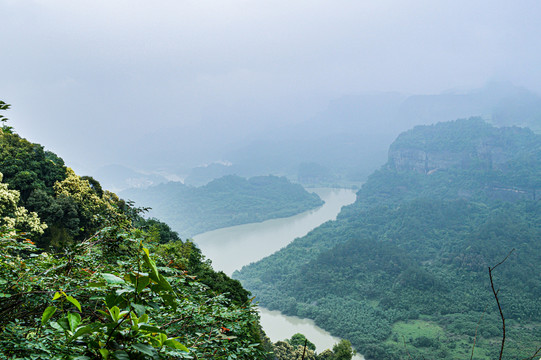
(485, 155)
(504, 163)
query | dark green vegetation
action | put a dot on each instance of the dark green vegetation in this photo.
(403, 272)
(300, 348)
(230, 200)
(111, 284)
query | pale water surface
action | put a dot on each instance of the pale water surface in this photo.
(233, 247)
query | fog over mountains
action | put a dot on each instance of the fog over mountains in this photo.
(340, 145)
(163, 88)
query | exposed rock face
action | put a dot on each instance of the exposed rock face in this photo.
(486, 155)
(499, 162)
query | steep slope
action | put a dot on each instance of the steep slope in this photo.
(110, 290)
(404, 269)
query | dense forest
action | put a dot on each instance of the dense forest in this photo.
(403, 272)
(227, 201)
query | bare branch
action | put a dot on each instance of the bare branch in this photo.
(498, 300)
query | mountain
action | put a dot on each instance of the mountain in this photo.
(350, 137)
(402, 272)
(227, 201)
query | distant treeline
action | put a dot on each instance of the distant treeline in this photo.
(227, 201)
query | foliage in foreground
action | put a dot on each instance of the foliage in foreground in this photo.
(109, 298)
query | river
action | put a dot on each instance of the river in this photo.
(231, 248)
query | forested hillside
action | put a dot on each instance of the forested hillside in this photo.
(84, 276)
(403, 272)
(227, 201)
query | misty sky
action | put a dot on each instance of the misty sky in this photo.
(96, 81)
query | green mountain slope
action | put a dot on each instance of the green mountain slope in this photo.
(403, 271)
(227, 201)
(112, 285)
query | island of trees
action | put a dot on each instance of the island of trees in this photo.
(227, 201)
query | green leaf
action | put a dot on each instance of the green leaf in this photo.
(121, 355)
(74, 319)
(64, 323)
(47, 314)
(145, 349)
(81, 331)
(139, 309)
(151, 329)
(175, 345)
(115, 313)
(56, 295)
(143, 319)
(142, 283)
(150, 263)
(56, 326)
(112, 279)
(104, 353)
(74, 301)
(164, 283)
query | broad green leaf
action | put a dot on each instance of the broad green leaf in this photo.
(81, 331)
(57, 295)
(74, 301)
(142, 283)
(112, 279)
(3, 281)
(151, 329)
(121, 355)
(150, 263)
(104, 353)
(64, 323)
(74, 319)
(56, 326)
(143, 319)
(115, 313)
(47, 314)
(139, 309)
(164, 283)
(175, 345)
(144, 349)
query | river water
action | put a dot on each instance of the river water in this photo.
(231, 248)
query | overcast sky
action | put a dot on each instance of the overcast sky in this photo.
(91, 80)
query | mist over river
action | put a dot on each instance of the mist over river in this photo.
(233, 247)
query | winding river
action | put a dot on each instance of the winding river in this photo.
(231, 248)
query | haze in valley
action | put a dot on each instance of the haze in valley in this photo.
(150, 91)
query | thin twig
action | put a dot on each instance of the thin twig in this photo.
(498, 300)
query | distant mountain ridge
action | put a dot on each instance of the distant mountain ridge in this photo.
(413, 251)
(227, 201)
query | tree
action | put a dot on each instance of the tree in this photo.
(300, 340)
(343, 350)
(5, 128)
(17, 217)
